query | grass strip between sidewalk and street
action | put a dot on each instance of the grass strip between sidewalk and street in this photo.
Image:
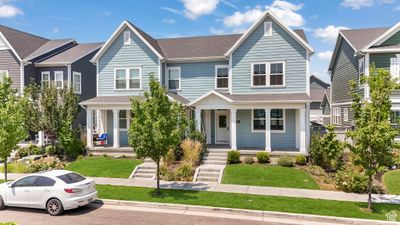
(248, 201)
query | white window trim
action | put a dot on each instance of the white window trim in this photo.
(337, 115)
(268, 75)
(127, 78)
(272, 131)
(180, 80)
(129, 41)
(62, 80)
(345, 115)
(216, 76)
(42, 74)
(119, 120)
(80, 81)
(267, 34)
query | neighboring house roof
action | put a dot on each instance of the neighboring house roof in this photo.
(319, 81)
(72, 54)
(316, 94)
(23, 44)
(198, 46)
(359, 38)
(178, 98)
(326, 98)
(49, 46)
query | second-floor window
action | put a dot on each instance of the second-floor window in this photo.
(222, 77)
(361, 69)
(174, 78)
(268, 74)
(395, 67)
(127, 78)
(59, 79)
(77, 82)
(336, 115)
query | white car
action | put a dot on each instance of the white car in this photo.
(55, 191)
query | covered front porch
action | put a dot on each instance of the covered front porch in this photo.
(245, 125)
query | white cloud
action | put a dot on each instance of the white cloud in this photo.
(358, 4)
(214, 31)
(172, 10)
(326, 55)
(168, 21)
(230, 4)
(286, 11)
(329, 33)
(7, 10)
(195, 8)
(55, 30)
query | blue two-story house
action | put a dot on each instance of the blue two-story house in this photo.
(246, 91)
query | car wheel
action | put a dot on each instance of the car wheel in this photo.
(2, 204)
(54, 207)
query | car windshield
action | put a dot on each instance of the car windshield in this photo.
(71, 178)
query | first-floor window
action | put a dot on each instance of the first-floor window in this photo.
(77, 82)
(123, 120)
(277, 120)
(3, 74)
(336, 115)
(174, 77)
(222, 76)
(59, 79)
(346, 115)
(395, 117)
(45, 78)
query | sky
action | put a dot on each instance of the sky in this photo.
(96, 20)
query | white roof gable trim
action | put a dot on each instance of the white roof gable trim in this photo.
(383, 37)
(114, 36)
(209, 94)
(4, 39)
(257, 23)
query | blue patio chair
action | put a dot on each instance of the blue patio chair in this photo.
(102, 138)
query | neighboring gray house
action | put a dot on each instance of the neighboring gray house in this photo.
(354, 52)
(246, 91)
(318, 88)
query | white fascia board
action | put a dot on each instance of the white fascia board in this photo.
(383, 37)
(10, 46)
(208, 94)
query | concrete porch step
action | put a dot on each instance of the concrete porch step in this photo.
(140, 170)
(210, 179)
(141, 175)
(216, 158)
(205, 169)
(208, 174)
(213, 162)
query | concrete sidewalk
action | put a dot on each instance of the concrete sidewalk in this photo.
(243, 189)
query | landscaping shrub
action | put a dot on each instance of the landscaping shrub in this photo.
(8, 223)
(262, 157)
(169, 159)
(191, 151)
(163, 170)
(350, 179)
(249, 160)
(80, 157)
(105, 155)
(301, 160)
(326, 151)
(44, 164)
(185, 172)
(50, 150)
(285, 161)
(169, 175)
(233, 157)
(15, 167)
(29, 150)
(396, 158)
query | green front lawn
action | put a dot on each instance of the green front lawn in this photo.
(15, 168)
(392, 182)
(267, 175)
(104, 167)
(246, 201)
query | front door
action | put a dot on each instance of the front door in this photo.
(222, 121)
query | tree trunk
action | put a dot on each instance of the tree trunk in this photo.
(158, 177)
(369, 191)
(5, 170)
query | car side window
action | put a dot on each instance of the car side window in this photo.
(25, 182)
(44, 182)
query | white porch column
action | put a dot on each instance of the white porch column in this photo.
(41, 138)
(302, 130)
(366, 73)
(233, 129)
(115, 128)
(268, 130)
(89, 128)
(197, 117)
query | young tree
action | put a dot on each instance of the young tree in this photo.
(157, 125)
(373, 137)
(12, 129)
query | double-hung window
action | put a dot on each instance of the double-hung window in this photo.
(222, 77)
(395, 117)
(123, 120)
(336, 115)
(77, 82)
(127, 78)
(345, 115)
(59, 79)
(361, 70)
(395, 67)
(277, 120)
(45, 78)
(174, 78)
(268, 74)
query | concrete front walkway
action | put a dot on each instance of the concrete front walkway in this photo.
(243, 189)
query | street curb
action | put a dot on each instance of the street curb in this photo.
(240, 212)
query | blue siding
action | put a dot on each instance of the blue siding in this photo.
(119, 55)
(278, 47)
(247, 139)
(197, 78)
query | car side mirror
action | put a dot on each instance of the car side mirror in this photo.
(10, 185)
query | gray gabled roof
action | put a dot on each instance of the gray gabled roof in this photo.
(359, 38)
(48, 46)
(23, 43)
(72, 54)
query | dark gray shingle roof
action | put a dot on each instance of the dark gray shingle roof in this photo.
(23, 43)
(48, 46)
(359, 38)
